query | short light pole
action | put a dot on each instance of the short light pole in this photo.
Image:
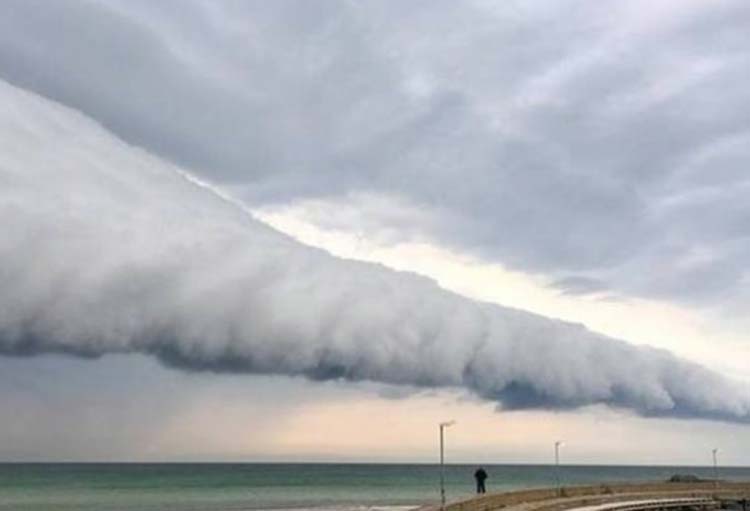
(443, 425)
(714, 451)
(558, 444)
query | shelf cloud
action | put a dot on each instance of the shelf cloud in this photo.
(108, 249)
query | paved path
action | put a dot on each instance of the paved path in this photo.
(607, 497)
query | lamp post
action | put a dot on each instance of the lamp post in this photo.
(714, 451)
(558, 444)
(442, 427)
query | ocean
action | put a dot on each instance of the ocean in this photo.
(257, 486)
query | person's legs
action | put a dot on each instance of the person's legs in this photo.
(481, 487)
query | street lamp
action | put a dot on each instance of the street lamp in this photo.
(714, 451)
(558, 444)
(443, 425)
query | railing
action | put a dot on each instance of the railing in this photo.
(651, 504)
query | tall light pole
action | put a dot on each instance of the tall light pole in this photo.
(558, 444)
(716, 469)
(443, 425)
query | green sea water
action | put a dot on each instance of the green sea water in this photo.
(231, 487)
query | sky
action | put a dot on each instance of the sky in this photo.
(313, 230)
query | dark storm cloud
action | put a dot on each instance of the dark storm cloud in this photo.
(106, 250)
(559, 138)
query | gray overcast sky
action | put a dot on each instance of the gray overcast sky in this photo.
(601, 148)
(528, 132)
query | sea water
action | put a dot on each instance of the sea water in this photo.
(254, 486)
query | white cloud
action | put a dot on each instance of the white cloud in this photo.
(107, 249)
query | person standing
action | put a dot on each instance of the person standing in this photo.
(480, 475)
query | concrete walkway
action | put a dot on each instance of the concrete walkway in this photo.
(609, 497)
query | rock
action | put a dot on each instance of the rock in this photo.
(684, 478)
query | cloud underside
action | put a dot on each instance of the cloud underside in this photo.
(571, 139)
(107, 249)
